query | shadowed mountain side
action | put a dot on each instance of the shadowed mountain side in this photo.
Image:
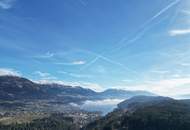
(148, 113)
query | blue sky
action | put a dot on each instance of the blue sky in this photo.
(128, 44)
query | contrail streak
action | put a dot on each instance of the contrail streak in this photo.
(117, 63)
(145, 26)
(90, 63)
(137, 37)
(99, 56)
(162, 11)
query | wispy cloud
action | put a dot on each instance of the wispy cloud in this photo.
(165, 87)
(160, 71)
(127, 80)
(47, 55)
(9, 71)
(83, 2)
(75, 75)
(78, 62)
(105, 106)
(44, 75)
(58, 57)
(186, 12)
(103, 102)
(179, 32)
(7, 4)
(185, 64)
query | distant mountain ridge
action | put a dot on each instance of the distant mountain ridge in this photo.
(18, 88)
(185, 96)
(123, 94)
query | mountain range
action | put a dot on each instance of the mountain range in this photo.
(18, 88)
(40, 106)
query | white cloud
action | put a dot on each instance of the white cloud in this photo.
(127, 80)
(9, 71)
(45, 81)
(6, 4)
(186, 12)
(179, 32)
(104, 106)
(160, 71)
(44, 75)
(80, 62)
(47, 55)
(185, 64)
(165, 87)
(103, 102)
